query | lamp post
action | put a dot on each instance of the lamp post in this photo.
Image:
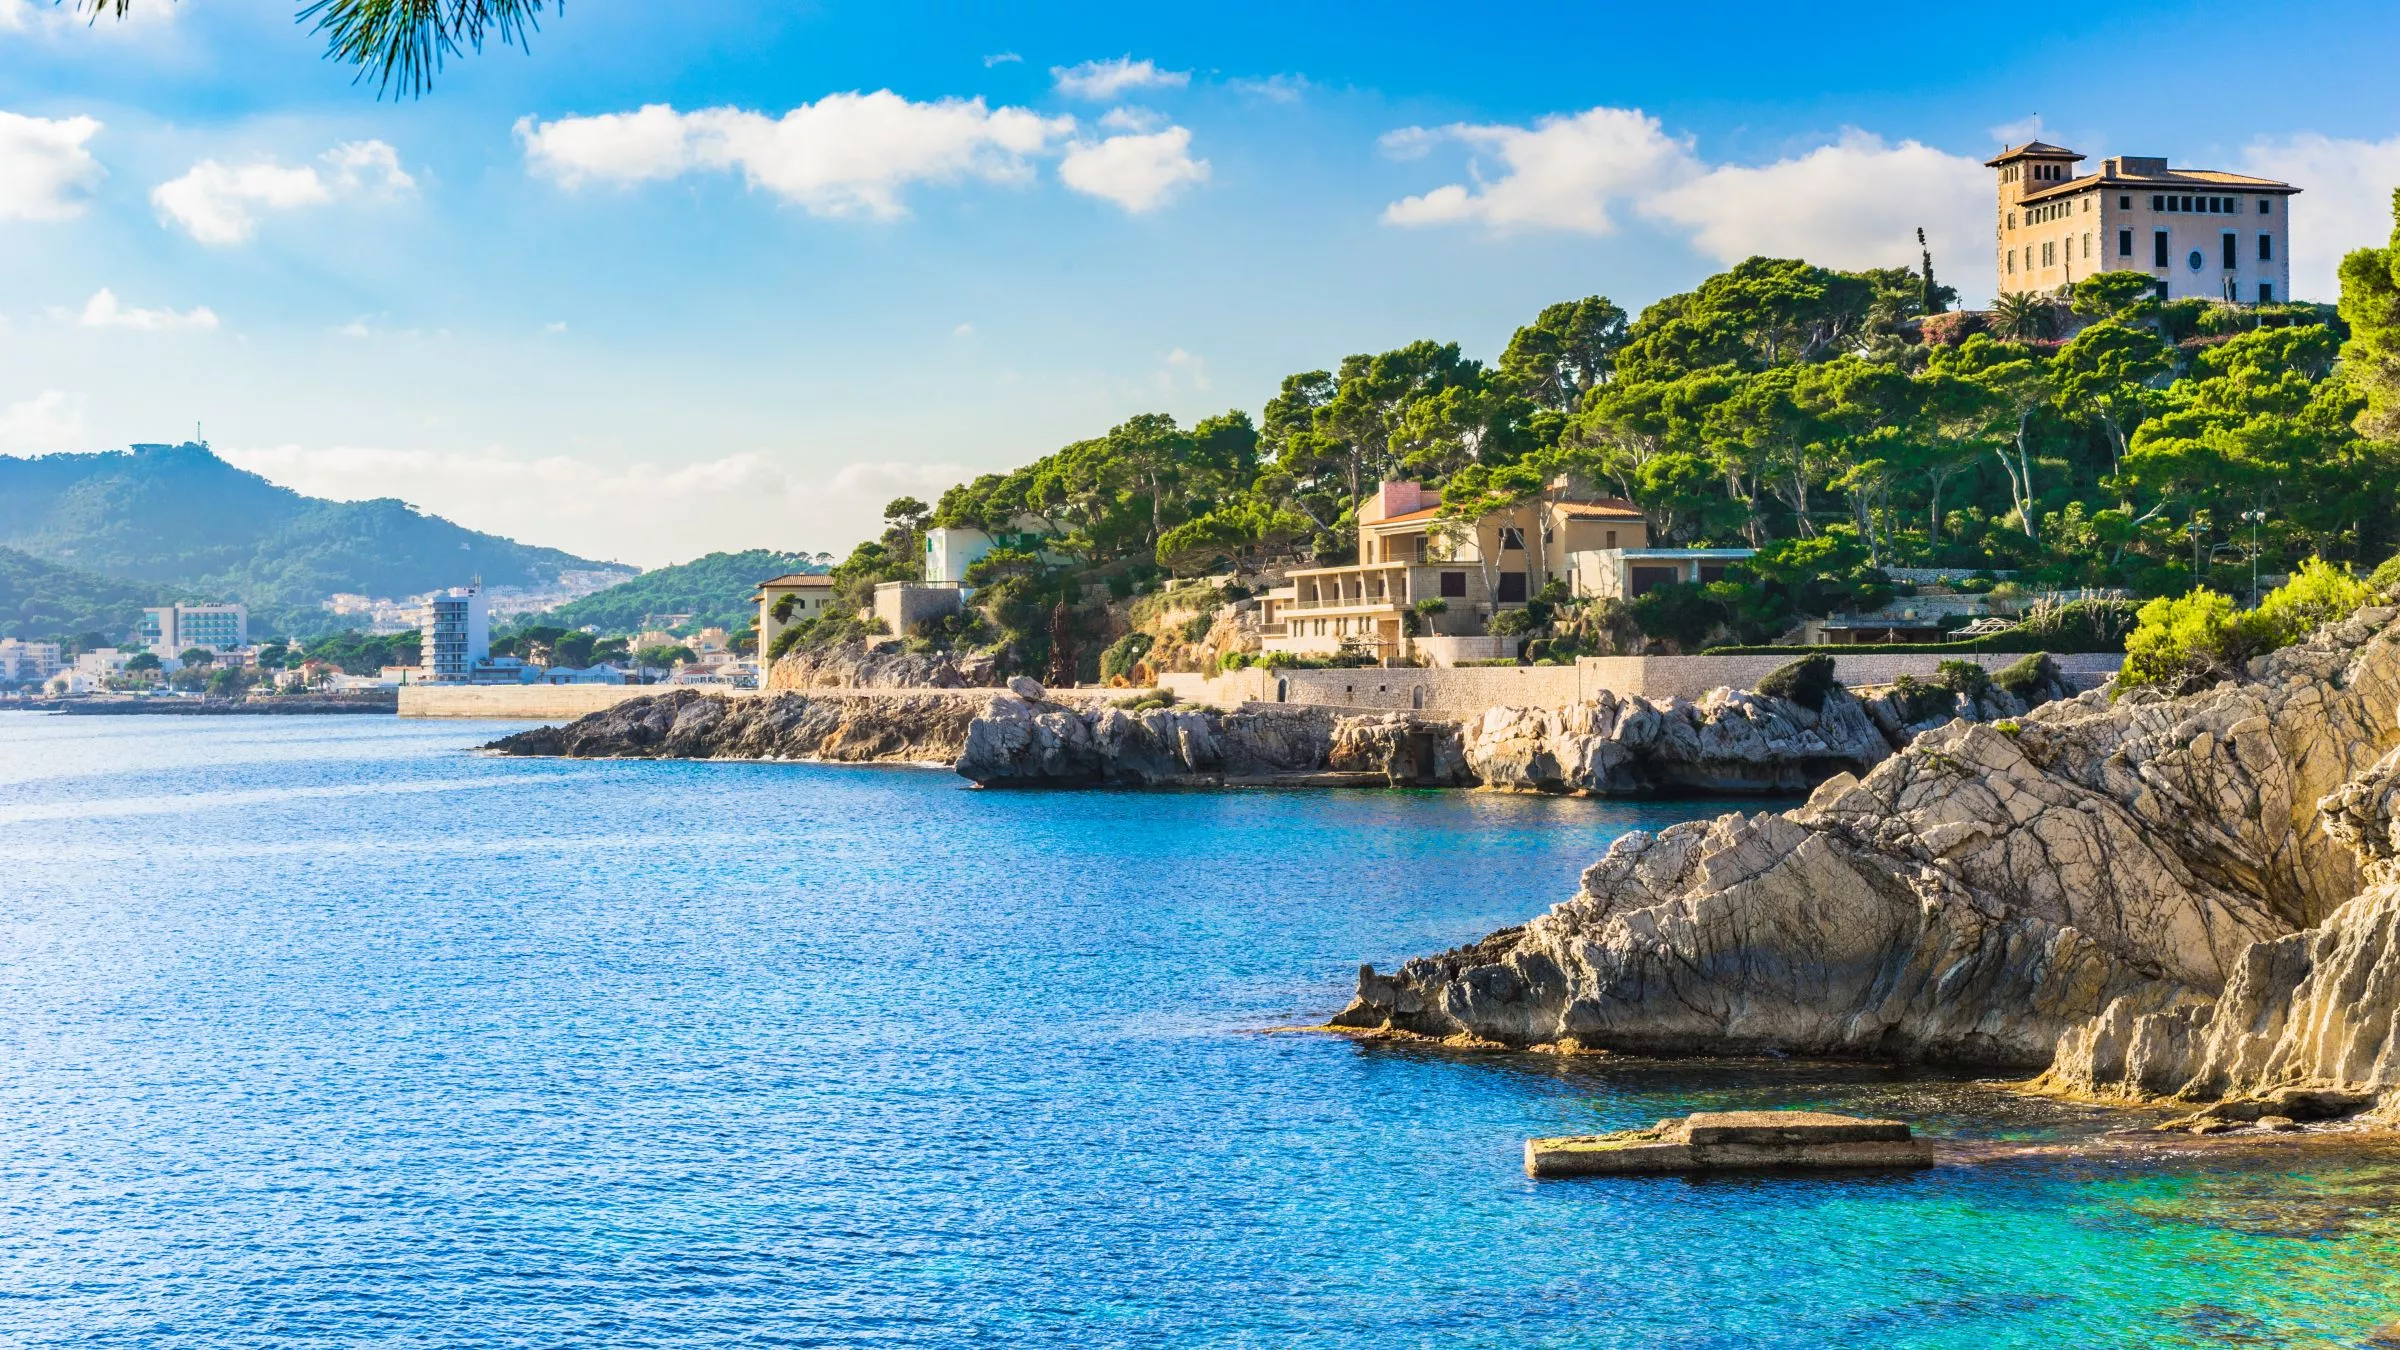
(2197, 528)
(2256, 518)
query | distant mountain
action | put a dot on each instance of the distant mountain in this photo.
(44, 600)
(715, 589)
(177, 516)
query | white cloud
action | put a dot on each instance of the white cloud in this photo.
(104, 310)
(1132, 119)
(1856, 203)
(845, 154)
(1001, 59)
(219, 203)
(1271, 88)
(1181, 369)
(555, 326)
(44, 168)
(2345, 201)
(1137, 172)
(51, 420)
(1101, 81)
(1562, 173)
(2020, 131)
(964, 330)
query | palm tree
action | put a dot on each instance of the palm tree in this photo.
(2024, 316)
(400, 44)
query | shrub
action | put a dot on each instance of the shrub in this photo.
(1806, 681)
(1962, 677)
(2319, 593)
(1511, 622)
(2182, 642)
(1919, 701)
(2028, 676)
(1122, 655)
(2386, 578)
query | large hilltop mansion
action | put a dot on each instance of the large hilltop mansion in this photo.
(2198, 232)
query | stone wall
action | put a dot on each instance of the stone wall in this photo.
(906, 606)
(1471, 690)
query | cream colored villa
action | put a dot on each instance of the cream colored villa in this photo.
(2195, 232)
(1407, 553)
(812, 592)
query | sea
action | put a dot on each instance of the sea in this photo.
(335, 1031)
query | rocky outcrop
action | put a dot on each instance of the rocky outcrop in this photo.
(687, 724)
(854, 665)
(2139, 890)
(2312, 1008)
(1730, 741)
(1025, 739)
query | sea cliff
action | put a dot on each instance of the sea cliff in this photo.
(2152, 897)
(688, 724)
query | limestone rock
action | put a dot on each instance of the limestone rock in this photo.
(2139, 890)
(689, 724)
(1731, 741)
(1024, 742)
(854, 665)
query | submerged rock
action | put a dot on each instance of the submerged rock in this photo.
(2139, 891)
(1729, 1141)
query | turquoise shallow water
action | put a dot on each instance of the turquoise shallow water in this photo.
(328, 1032)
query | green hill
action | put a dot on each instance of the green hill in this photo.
(715, 589)
(43, 600)
(176, 516)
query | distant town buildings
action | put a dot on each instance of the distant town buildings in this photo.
(168, 631)
(27, 662)
(456, 634)
(2198, 233)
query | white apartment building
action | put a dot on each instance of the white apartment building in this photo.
(27, 662)
(169, 631)
(2198, 233)
(457, 634)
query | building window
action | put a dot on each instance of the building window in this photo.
(1454, 585)
(2012, 262)
(2049, 253)
(1511, 537)
(2124, 243)
(2087, 206)
(2266, 248)
(2157, 203)
(2266, 292)
(2233, 251)
(2087, 245)
(1512, 588)
(2265, 206)
(1612, 539)
(2124, 203)
(1423, 541)
(2158, 248)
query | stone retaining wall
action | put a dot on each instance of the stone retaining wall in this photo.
(1471, 690)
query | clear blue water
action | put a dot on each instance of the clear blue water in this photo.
(328, 1032)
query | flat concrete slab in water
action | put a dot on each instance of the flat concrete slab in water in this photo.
(1727, 1141)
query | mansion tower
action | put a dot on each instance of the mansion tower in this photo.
(2195, 232)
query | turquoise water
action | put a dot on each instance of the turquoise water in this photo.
(329, 1032)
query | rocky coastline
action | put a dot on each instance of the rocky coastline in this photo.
(2191, 899)
(1730, 742)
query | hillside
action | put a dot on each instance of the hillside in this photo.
(44, 600)
(178, 516)
(714, 589)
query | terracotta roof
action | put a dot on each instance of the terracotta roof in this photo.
(2178, 179)
(1421, 513)
(797, 579)
(2030, 150)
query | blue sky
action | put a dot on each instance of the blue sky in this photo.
(526, 303)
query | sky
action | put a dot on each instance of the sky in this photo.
(734, 273)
